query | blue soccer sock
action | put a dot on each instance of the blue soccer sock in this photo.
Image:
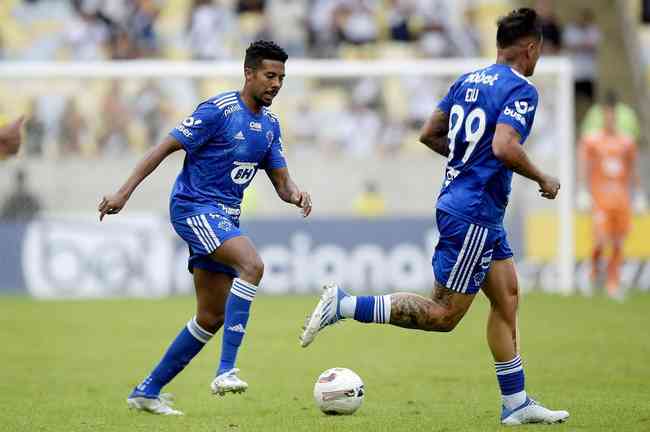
(510, 375)
(367, 309)
(238, 308)
(187, 344)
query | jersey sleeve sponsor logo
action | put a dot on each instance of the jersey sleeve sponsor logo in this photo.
(243, 172)
(188, 123)
(481, 78)
(522, 107)
(515, 115)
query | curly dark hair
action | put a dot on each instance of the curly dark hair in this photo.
(263, 50)
(518, 24)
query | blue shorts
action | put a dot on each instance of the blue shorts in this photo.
(204, 233)
(465, 251)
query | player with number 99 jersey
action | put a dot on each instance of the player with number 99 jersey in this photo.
(476, 186)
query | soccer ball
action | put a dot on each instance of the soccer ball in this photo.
(338, 391)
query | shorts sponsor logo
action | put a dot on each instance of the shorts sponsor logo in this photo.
(478, 278)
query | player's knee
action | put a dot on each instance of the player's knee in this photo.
(441, 320)
(252, 269)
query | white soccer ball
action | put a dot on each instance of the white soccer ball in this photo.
(338, 391)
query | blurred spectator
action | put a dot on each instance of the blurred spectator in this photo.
(306, 125)
(399, 14)
(122, 46)
(87, 36)
(287, 22)
(152, 111)
(432, 23)
(581, 41)
(34, 130)
(355, 22)
(73, 128)
(468, 38)
(208, 28)
(254, 6)
(320, 25)
(551, 29)
(370, 203)
(114, 138)
(627, 122)
(392, 139)
(21, 204)
(142, 27)
(359, 130)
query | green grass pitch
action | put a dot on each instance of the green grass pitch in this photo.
(69, 365)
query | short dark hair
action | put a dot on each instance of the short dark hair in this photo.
(518, 24)
(263, 50)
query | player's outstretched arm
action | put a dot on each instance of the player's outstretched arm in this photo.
(112, 204)
(10, 137)
(288, 191)
(507, 149)
(434, 132)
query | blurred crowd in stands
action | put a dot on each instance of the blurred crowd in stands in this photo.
(123, 120)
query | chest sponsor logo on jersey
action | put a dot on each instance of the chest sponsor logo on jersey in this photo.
(515, 115)
(255, 126)
(481, 78)
(243, 172)
(231, 109)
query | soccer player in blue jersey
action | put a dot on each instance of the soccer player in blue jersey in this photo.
(480, 126)
(226, 140)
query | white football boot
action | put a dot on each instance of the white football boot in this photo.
(161, 405)
(531, 412)
(327, 312)
(228, 382)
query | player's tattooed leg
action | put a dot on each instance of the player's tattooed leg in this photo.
(440, 313)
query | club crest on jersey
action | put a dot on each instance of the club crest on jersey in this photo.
(269, 136)
(255, 126)
(243, 172)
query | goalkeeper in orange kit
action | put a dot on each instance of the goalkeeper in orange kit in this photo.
(608, 161)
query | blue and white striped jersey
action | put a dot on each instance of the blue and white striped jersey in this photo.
(476, 185)
(225, 145)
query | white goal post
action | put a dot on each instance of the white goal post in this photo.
(558, 69)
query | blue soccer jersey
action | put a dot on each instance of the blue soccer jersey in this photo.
(476, 184)
(225, 145)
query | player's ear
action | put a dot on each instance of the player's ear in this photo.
(249, 73)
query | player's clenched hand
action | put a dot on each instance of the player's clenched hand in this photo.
(549, 187)
(303, 200)
(111, 204)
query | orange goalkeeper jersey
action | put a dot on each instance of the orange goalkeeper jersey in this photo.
(611, 160)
